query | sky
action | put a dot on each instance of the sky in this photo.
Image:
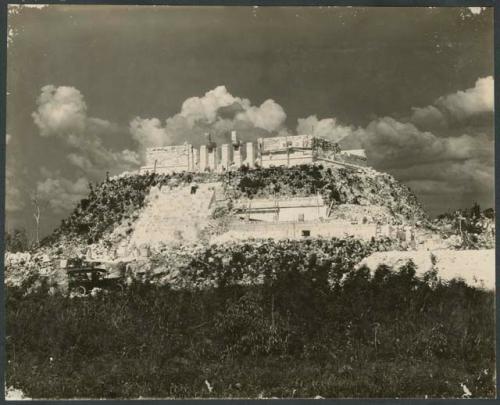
(89, 88)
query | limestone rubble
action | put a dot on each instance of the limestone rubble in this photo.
(155, 224)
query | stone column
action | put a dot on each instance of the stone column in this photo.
(251, 154)
(237, 156)
(226, 156)
(203, 158)
(196, 160)
(213, 159)
(190, 158)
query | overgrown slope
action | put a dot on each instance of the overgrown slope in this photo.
(117, 200)
(340, 186)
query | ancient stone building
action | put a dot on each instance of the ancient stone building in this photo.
(282, 209)
(170, 159)
(266, 152)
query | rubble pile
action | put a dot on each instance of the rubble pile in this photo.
(115, 201)
(467, 228)
(200, 265)
(254, 261)
(106, 226)
(362, 213)
(31, 271)
(358, 186)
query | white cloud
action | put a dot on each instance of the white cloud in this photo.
(61, 193)
(428, 117)
(456, 107)
(216, 112)
(148, 132)
(205, 108)
(327, 128)
(392, 144)
(269, 116)
(62, 113)
(476, 100)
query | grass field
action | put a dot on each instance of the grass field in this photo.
(390, 335)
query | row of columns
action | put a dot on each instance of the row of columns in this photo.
(231, 155)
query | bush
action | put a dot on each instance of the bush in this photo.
(386, 334)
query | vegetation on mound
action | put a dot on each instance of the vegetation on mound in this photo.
(475, 227)
(264, 261)
(336, 185)
(386, 335)
(113, 201)
(119, 199)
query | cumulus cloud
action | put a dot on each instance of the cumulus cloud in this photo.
(61, 111)
(61, 193)
(327, 128)
(8, 137)
(148, 132)
(62, 114)
(476, 100)
(429, 117)
(456, 107)
(216, 112)
(391, 144)
(269, 116)
(472, 176)
(433, 166)
(205, 108)
(445, 148)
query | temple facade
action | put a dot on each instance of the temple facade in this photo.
(265, 152)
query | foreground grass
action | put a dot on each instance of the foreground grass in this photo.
(390, 335)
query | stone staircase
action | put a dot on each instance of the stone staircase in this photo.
(173, 215)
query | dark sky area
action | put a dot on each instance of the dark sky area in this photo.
(90, 87)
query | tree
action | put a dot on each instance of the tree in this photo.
(38, 206)
(476, 210)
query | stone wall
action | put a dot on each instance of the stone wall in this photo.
(173, 215)
(286, 150)
(297, 230)
(274, 151)
(170, 159)
(283, 209)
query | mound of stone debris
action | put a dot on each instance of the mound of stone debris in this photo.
(107, 225)
(118, 201)
(31, 271)
(198, 265)
(360, 186)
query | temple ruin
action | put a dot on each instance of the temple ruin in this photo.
(265, 152)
